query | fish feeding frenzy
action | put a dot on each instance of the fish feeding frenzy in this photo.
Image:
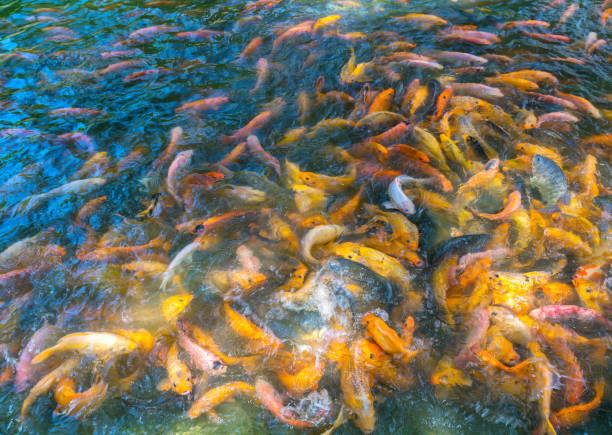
(406, 182)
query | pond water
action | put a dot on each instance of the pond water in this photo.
(208, 218)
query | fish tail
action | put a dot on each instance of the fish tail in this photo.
(158, 242)
(166, 279)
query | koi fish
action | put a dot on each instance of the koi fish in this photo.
(319, 235)
(259, 340)
(201, 357)
(204, 105)
(179, 375)
(513, 204)
(561, 313)
(206, 403)
(252, 126)
(118, 253)
(387, 338)
(182, 160)
(148, 33)
(78, 405)
(577, 414)
(46, 383)
(269, 398)
(236, 282)
(174, 305)
(24, 367)
(104, 345)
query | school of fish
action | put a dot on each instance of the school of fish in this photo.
(443, 189)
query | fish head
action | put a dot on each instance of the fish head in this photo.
(218, 367)
(247, 279)
(128, 346)
(538, 160)
(313, 221)
(370, 319)
(370, 355)
(381, 153)
(142, 338)
(448, 376)
(193, 227)
(181, 381)
(98, 182)
(309, 179)
(174, 305)
(503, 350)
(408, 324)
(348, 251)
(185, 157)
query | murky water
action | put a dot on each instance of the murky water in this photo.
(54, 59)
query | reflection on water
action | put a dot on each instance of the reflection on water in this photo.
(277, 216)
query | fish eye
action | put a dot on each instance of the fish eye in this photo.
(188, 379)
(199, 227)
(180, 299)
(371, 356)
(174, 385)
(216, 365)
(350, 256)
(588, 289)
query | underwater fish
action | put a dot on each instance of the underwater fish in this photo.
(549, 179)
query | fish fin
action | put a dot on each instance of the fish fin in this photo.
(43, 355)
(214, 417)
(550, 430)
(340, 420)
(157, 242)
(165, 280)
(389, 205)
(163, 385)
(407, 357)
(599, 355)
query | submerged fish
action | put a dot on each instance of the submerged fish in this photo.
(549, 179)
(104, 345)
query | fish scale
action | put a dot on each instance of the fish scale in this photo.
(549, 179)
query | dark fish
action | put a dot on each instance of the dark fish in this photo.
(477, 146)
(459, 245)
(434, 87)
(548, 178)
(604, 202)
(379, 289)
